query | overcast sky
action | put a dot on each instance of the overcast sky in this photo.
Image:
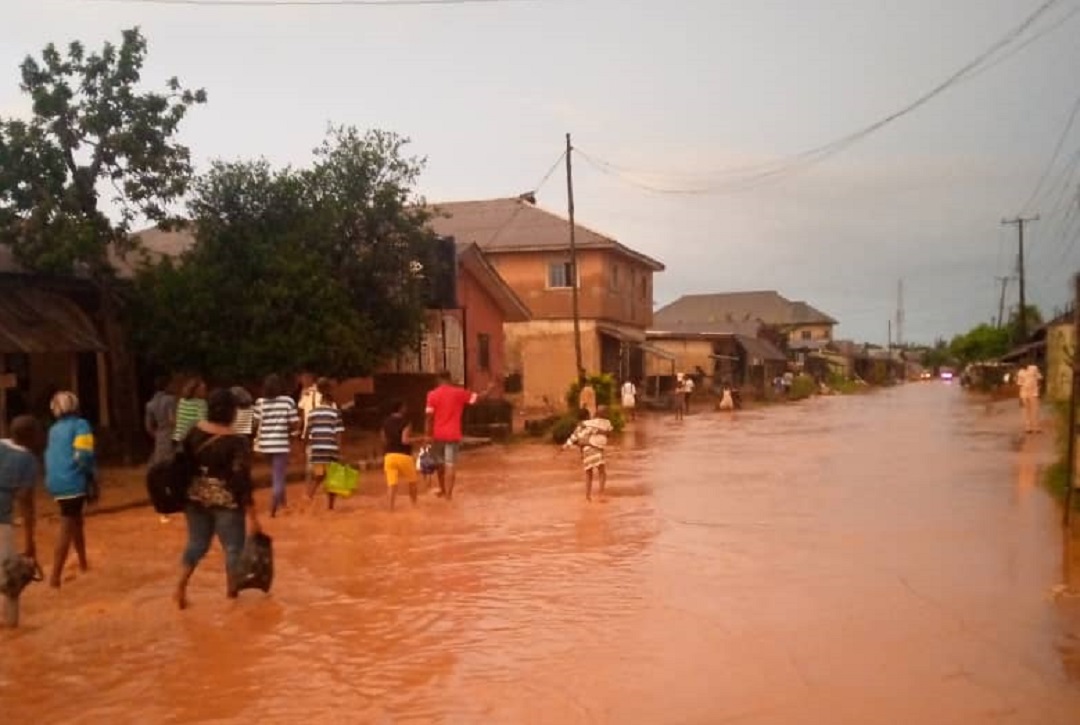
(680, 91)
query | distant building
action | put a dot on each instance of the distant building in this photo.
(804, 328)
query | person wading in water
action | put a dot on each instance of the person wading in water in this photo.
(445, 406)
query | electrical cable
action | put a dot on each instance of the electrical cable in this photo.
(1054, 157)
(754, 175)
(535, 190)
(304, 3)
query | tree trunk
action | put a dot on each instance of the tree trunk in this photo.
(124, 395)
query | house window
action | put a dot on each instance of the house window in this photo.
(615, 277)
(807, 335)
(645, 288)
(559, 275)
(483, 352)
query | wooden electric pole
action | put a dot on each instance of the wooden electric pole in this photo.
(1070, 452)
(573, 259)
(1001, 302)
(1019, 222)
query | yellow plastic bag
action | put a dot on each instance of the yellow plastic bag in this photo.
(341, 480)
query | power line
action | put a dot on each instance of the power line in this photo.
(755, 175)
(304, 3)
(533, 191)
(1057, 151)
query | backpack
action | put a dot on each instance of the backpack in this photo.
(167, 481)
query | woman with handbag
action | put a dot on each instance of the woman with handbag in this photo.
(220, 494)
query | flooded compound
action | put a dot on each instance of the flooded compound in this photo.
(874, 559)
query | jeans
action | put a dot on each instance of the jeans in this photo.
(203, 522)
(279, 463)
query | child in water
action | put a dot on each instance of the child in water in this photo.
(591, 437)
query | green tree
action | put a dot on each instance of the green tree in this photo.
(983, 342)
(937, 356)
(93, 131)
(317, 267)
(1034, 321)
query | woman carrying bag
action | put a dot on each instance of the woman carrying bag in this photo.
(220, 494)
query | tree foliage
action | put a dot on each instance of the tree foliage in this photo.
(983, 342)
(92, 131)
(937, 356)
(314, 267)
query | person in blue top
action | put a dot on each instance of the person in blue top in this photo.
(18, 472)
(69, 477)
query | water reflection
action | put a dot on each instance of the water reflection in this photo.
(802, 564)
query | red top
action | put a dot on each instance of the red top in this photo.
(445, 404)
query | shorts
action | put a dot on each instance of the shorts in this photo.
(629, 402)
(398, 467)
(445, 452)
(73, 506)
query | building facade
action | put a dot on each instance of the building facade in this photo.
(529, 248)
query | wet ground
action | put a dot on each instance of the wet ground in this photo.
(876, 559)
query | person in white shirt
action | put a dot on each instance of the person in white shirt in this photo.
(629, 398)
(1028, 381)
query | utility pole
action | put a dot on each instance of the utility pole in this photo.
(1019, 222)
(900, 313)
(1001, 302)
(1070, 460)
(573, 258)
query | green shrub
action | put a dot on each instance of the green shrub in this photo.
(841, 384)
(606, 396)
(606, 387)
(802, 387)
(563, 427)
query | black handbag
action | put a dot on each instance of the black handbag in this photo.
(256, 570)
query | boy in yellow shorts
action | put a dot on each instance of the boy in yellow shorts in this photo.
(398, 463)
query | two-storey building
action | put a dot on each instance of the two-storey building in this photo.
(530, 249)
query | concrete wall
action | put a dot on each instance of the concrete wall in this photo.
(1060, 345)
(543, 352)
(689, 354)
(614, 287)
(482, 317)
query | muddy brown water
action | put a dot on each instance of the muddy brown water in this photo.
(880, 559)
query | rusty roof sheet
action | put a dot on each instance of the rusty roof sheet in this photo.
(36, 321)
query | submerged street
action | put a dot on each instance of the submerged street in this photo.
(872, 559)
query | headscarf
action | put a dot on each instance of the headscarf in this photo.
(64, 403)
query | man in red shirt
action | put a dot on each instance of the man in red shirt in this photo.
(445, 406)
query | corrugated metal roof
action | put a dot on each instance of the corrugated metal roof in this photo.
(760, 349)
(768, 307)
(36, 321)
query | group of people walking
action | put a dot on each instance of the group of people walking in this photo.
(66, 451)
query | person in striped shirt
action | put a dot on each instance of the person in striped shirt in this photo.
(323, 428)
(190, 409)
(276, 419)
(244, 423)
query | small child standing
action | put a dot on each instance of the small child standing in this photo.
(324, 429)
(591, 437)
(397, 462)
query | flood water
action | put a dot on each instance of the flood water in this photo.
(878, 559)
